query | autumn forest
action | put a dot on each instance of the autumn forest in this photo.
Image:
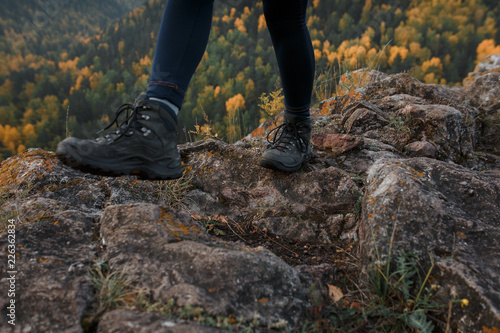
(66, 66)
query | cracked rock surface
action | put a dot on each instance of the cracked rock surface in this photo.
(237, 244)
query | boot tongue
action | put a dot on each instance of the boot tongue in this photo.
(287, 136)
(126, 127)
(140, 99)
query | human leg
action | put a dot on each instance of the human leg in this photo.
(182, 40)
(286, 21)
(290, 144)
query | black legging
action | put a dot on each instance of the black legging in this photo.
(184, 35)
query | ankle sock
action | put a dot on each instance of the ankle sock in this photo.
(171, 105)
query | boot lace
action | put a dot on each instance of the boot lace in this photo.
(287, 136)
(128, 126)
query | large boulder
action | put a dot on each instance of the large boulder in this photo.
(484, 94)
(352, 153)
(51, 284)
(451, 213)
(36, 174)
(415, 118)
(172, 257)
(295, 205)
(488, 64)
(67, 220)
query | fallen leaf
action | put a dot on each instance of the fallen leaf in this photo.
(490, 330)
(220, 218)
(195, 217)
(356, 305)
(335, 293)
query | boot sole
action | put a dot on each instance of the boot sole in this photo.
(136, 165)
(278, 166)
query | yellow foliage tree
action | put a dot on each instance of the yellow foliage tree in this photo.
(85, 72)
(29, 131)
(69, 65)
(262, 23)
(431, 65)
(354, 55)
(234, 104)
(365, 14)
(405, 34)
(312, 20)
(240, 25)
(489, 27)
(366, 40)
(21, 148)
(95, 79)
(317, 54)
(144, 65)
(10, 137)
(249, 87)
(326, 47)
(146, 61)
(246, 13)
(332, 57)
(434, 69)
(229, 18)
(395, 51)
(430, 78)
(485, 48)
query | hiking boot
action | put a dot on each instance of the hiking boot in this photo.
(144, 144)
(289, 148)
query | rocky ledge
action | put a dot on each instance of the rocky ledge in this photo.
(398, 167)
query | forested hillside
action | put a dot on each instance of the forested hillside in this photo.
(49, 27)
(59, 81)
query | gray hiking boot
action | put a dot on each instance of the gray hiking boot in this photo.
(144, 144)
(289, 148)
